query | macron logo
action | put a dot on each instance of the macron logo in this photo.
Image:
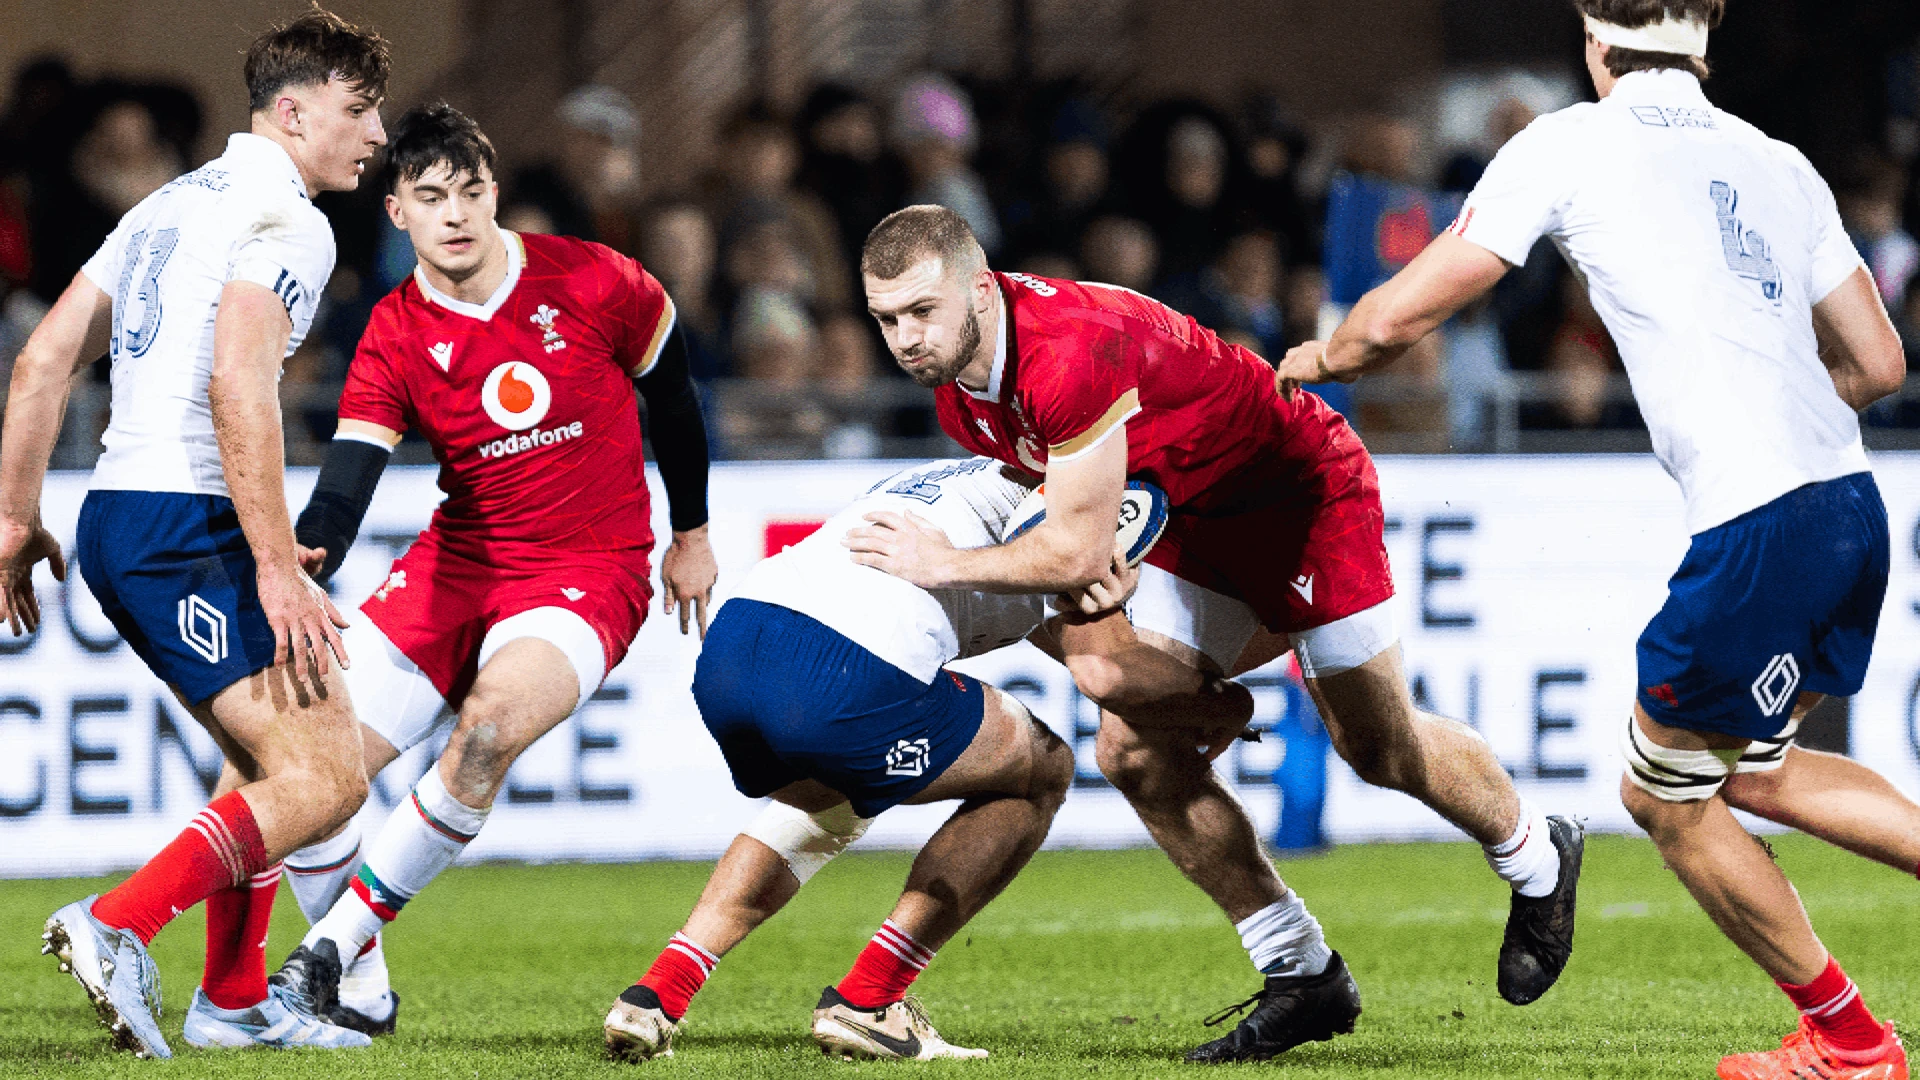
(442, 353)
(1304, 586)
(572, 594)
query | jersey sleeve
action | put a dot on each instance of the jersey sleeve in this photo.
(103, 268)
(1082, 391)
(1834, 258)
(375, 392)
(641, 315)
(286, 248)
(1521, 196)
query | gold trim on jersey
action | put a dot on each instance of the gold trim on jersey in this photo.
(1127, 405)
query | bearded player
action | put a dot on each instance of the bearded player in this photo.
(517, 358)
(1276, 523)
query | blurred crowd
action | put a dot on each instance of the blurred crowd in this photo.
(1235, 216)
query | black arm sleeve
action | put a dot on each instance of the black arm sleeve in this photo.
(678, 433)
(339, 502)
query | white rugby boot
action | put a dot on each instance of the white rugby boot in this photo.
(269, 1024)
(637, 1028)
(113, 967)
(899, 1031)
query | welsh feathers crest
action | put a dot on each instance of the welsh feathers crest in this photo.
(543, 318)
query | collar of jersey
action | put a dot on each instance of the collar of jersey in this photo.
(1661, 86)
(992, 392)
(250, 149)
(516, 258)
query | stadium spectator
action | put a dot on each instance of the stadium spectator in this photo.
(1237, 294)
(116, 157)
(1074, 189)
(1192, 223)
(845, 163)
(588, 189)
(934, 129)
(1120, 251)
(677, 245)
(1275, 149)
(1869, 196)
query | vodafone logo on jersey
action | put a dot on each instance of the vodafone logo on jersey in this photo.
(516, 396)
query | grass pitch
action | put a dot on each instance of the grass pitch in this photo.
(1092, 963)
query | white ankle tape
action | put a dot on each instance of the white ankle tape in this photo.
(1670, 774)
(807, 841)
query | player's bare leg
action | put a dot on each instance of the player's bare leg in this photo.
(1734, 879)
(1376, 728)
(1834, 798)
(519, 695)
(295, 735)
(1013, 777)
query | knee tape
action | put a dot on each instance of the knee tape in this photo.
(1674, 775)
(807, 841)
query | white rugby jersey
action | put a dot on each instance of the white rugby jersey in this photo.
(914, 629)
(1704, 245)
(243, 216)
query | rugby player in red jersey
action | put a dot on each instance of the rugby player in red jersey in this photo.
(517, 357)
(1277, 526)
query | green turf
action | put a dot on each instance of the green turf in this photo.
(1092, 963)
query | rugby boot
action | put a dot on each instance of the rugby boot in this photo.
(346, 1016)
(309, 980)
(1539, 937)
(637, 1028)
(900, 1031)
(1288, 1010)
(113, 967)
(269, 1024)
(1806, 1055)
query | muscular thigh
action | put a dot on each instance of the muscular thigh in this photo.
(524, 691)
(1000, 760)
(272, 721)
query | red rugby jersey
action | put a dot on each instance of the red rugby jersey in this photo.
(1203, 419)
(527, 400)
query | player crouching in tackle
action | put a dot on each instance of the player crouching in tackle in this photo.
(200, 293)
(824, 684)
(1752, 333)
(517, 358)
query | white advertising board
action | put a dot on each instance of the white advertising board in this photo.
(1524, 584)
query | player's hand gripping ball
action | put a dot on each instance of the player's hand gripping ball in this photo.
(1143, 517)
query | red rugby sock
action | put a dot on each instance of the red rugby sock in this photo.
(235, 976)
(677, 974)
(1833, 1005)
(885, 969)
(220, 849)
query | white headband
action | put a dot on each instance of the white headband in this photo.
(1687, 37)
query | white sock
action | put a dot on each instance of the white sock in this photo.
(364, 985)
(1284, 938)
(423, 835)
(1528, 860)
(318, 873)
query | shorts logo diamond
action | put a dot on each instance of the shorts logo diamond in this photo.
(1773, 690)
(908, 758)
(204, 628)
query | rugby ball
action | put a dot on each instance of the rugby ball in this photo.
(1143, 517)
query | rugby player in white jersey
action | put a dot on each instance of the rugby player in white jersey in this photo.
(184, 538)
(1751, 332)
(825, 684)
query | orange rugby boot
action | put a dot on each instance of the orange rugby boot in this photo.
(1805, 1055)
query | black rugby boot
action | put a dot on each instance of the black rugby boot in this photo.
(353, 1019)
(1288, 1011)
(310, 980)
(1539, 937)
